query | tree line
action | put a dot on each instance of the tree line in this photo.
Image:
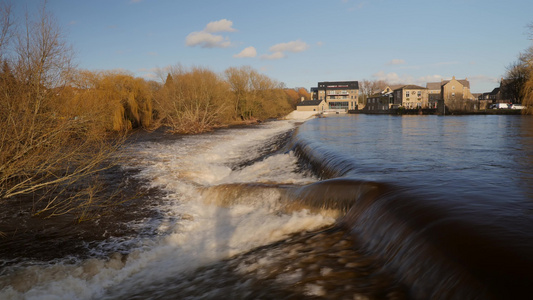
(62, 125)
(517, 85)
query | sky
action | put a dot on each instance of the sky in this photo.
(299, 42)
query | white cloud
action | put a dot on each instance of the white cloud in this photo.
(247, 52)
(388, 77)
(278, 50)
(293, 46)
(206, 40)
(275, 55)
(320, 44)
(220, 26)
(396, 61)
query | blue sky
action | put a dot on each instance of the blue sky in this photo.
(300, 42)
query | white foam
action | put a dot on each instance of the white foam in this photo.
(193, 232)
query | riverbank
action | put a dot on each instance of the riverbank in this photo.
(65, 235)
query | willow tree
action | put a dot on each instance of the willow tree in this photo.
(526, 60)
(527, 90)
(255, 95)
(193, 100)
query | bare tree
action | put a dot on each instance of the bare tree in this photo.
(44, 151)
(6, 26)
(516, 76)
(44, 58)
(370, 87)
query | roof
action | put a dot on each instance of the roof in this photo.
(438, 85)
(335, 85)
(309, 103)
(395, 87)
(379, 95)
(464, 82)
(411, 87)
(433, 85)
(375, 95)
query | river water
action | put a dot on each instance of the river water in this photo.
(342, 207)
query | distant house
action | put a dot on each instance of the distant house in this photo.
(311, 105)
(456, 89)
(380, 102)
(454, 94)
(410, 97)
(434, 89)
(494, 95)
(338, 95)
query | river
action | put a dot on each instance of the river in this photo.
(341, 207)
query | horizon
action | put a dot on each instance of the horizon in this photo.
(299, 43)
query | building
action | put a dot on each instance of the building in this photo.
(338, 95)
(434, 89)
(380, 102)
(494, 95)
(454, 93)
(311, 105)
(410, 97)
(456, 89)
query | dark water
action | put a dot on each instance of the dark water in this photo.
(456, 219)
(342, 207)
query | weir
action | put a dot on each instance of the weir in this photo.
(427, 245)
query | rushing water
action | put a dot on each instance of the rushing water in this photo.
(342, 207)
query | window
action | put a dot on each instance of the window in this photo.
(419, 94)
(407, 94)
(338, 105)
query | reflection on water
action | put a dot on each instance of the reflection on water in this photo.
(468, 153)
(465, 203)
(524, 157)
